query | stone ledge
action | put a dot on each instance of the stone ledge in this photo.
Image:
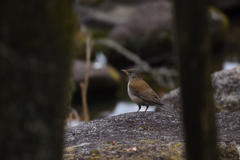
(155, 136)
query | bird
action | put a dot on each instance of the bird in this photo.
(140, 92)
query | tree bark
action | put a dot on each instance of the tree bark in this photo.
(35, 56)
(193, 47)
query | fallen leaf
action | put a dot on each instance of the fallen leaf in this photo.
(134, 148)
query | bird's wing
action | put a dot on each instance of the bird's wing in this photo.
(142, 90)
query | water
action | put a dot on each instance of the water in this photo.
(125, 107)
(230, 64)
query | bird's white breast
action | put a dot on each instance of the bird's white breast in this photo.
(129, 92)
(128, 89)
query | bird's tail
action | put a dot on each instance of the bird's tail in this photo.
(168, 108)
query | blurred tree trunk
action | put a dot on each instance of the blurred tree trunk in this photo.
(193, 47)
(35, 56)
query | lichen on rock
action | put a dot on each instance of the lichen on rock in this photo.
(161, 138)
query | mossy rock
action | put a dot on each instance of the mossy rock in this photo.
(162, 137)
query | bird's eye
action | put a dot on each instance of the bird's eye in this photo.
(130, 72)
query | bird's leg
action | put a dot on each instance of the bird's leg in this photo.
(139, 107)
(146, 108)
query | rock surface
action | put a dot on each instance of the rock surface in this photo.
(172, 100)
(141, 135)
(226, 85)
(226, 88)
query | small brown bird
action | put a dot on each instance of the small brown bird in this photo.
(140, 92)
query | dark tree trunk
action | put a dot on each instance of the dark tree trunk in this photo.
(193, 47)
(35, 53)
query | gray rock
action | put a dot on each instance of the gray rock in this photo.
(226, 85)
(226, 88)
(171, 100)
(155, 136)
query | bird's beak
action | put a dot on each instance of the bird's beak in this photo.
(123, 70)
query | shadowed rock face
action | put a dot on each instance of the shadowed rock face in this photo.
(155, 136)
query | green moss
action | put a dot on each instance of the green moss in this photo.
(119, 144)
(143, 127)
(113, 147)
(149, 141)
(166, 150)
(68, 156)
(95, 152)
(153, 141)
(70, 149)
(177, 144)
(97, 157)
